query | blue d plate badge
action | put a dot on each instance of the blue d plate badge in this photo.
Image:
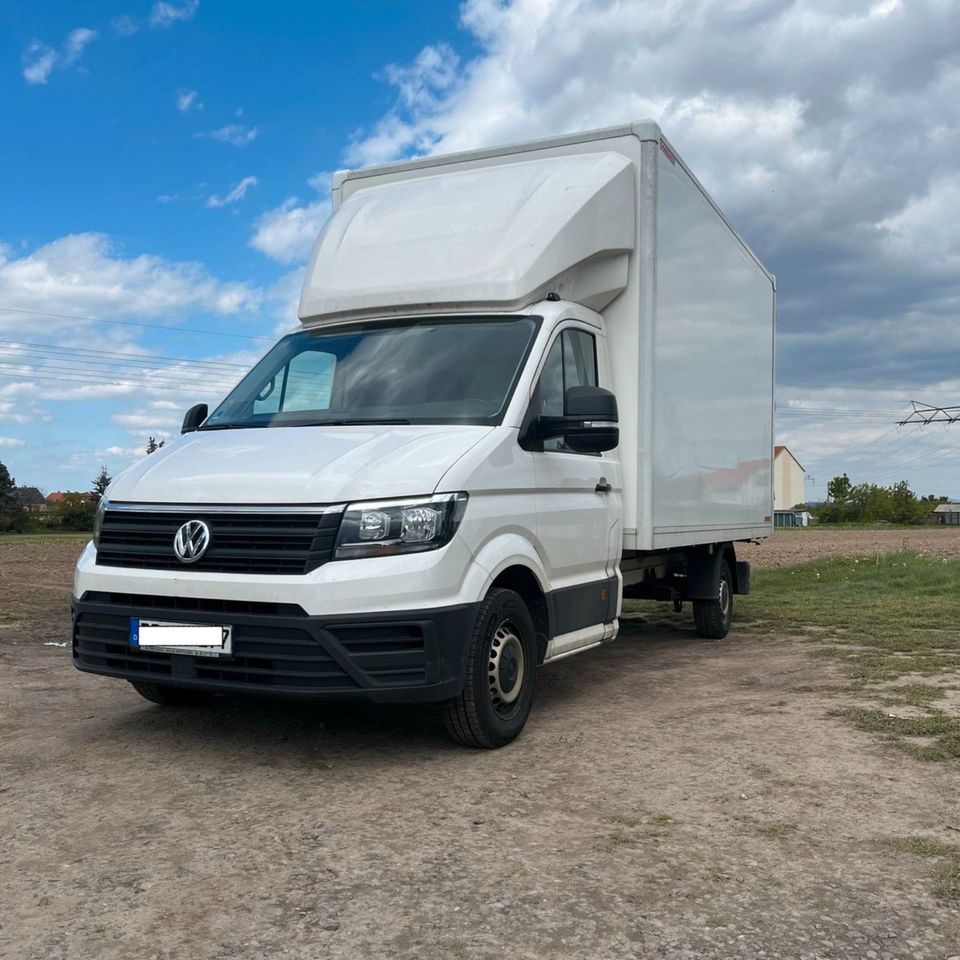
(194, 639)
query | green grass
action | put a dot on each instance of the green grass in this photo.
(884, 619)
(913, 695)
(924, 847)
(946, 877)
(946, 881)
(941, 728)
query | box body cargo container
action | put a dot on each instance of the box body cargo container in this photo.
(528, 381)
(615, 221)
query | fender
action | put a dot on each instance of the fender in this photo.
(495, 556)
(703, 570)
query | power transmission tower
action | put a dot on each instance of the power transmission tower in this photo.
(923, 414)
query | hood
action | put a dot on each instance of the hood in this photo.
(297, 464)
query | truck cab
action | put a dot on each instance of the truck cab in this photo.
(456, 467)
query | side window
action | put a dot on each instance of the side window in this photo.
(572, 362)
(551, 382)
(579, 359)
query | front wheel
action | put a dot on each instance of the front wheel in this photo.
(713, 617)
(501, 673)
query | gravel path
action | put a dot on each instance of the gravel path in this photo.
(671, 798)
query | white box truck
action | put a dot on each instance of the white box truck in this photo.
(527, 382)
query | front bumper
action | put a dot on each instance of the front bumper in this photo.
(404, 656)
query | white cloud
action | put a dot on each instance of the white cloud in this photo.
(188, 100)
(12, 442)
(85, 362)
(164, 14)
(237, 193)
(75, 43)
(125, 25)
(85, 274)
(923, 232)
(236, 134)
(287, 233)
(824, 131)
(39, 60)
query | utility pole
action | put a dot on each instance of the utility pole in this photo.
(924, 413)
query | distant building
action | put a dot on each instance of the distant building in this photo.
(948, 513)
(59, 496)
(788, 475)
(32, 500)
(792, 518)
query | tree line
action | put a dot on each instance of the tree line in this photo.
(848, 502)
(74, 512)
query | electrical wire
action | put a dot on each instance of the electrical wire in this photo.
(135, 323)
(196, 380)
(33, 347)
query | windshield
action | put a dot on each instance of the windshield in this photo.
(417, 371)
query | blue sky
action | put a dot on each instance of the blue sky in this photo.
(165, 167)
(123, 142)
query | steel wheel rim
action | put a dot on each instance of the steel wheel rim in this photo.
(724, 596)
(506, 667)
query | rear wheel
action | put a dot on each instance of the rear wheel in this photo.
(171, 696)
(501, 672)
(713, 617)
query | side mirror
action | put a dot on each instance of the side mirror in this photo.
(194, 417)
(589, 421)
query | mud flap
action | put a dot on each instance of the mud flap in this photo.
(742, 575)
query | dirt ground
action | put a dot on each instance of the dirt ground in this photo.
(800, 545)
(670, 798)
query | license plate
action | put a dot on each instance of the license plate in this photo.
(195, 639)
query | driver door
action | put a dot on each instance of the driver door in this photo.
(578, 502)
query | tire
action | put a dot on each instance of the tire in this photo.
(713, 617)
(501, 675)
(171, 696)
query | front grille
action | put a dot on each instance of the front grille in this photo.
(167, 605)
(240, 542)
(265, 657)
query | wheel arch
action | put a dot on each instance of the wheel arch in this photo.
(522, 581)
(512, 562)
(703, 570)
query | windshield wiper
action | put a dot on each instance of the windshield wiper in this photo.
(240, 425)
(245, 424)
(346, 423)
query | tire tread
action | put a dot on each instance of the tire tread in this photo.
(707, 615)
(461, 716)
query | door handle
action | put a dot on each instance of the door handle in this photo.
(603, 486)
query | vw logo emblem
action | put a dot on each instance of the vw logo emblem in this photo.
(191, 541)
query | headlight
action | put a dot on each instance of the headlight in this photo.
(381, 528)
(98, 520)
